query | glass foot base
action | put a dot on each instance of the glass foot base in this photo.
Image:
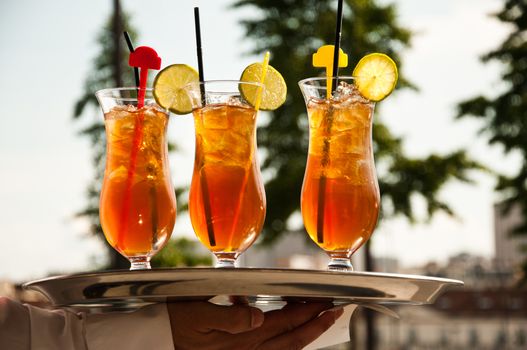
(139, 263)
(340, 264)
(225, 260)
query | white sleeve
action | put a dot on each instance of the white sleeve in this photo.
(146, 328)
(25, 327)
(14, 325)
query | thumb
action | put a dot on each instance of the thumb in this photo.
(233, 319)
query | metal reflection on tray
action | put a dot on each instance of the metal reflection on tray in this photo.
(121, 290)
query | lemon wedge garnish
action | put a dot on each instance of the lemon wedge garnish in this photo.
(275, 89)
(375, 76)
(169, 89)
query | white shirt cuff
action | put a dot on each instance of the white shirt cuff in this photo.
(146, 328)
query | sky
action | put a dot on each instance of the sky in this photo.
(47, 52)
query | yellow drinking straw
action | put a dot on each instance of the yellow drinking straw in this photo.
(324, 58)
(265, 64)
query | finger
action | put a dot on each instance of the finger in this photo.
(238, 318)
(236, 299)
(307, 333)
(282, 321)
(206, 317)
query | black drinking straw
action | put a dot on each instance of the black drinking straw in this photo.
(131, 48)
(336, 52)
(203, 177)
(325, 157)
(200, 55)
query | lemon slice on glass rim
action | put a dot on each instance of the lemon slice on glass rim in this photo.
(375, 76)
(275, 89)
(169, 89)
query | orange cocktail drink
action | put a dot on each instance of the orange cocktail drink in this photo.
(340, 195)
(227, 199)
(137, 204)
(225, 173)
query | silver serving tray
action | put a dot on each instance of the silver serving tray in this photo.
(122, 290)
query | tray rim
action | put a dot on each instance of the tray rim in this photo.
(70, 296)
(448, 281)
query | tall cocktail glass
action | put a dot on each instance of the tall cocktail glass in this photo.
(227, 198)
(137, 204)
(340, 194)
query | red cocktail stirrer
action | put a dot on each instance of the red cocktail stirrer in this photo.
(144, 58)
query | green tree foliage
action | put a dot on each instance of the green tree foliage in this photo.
(106, 72)
(181, 252)
(293, 30)
(505, 115)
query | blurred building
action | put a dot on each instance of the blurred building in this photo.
(489, 312)
(460, 319)
(292, 250)
(476, 272)
(509, 255)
